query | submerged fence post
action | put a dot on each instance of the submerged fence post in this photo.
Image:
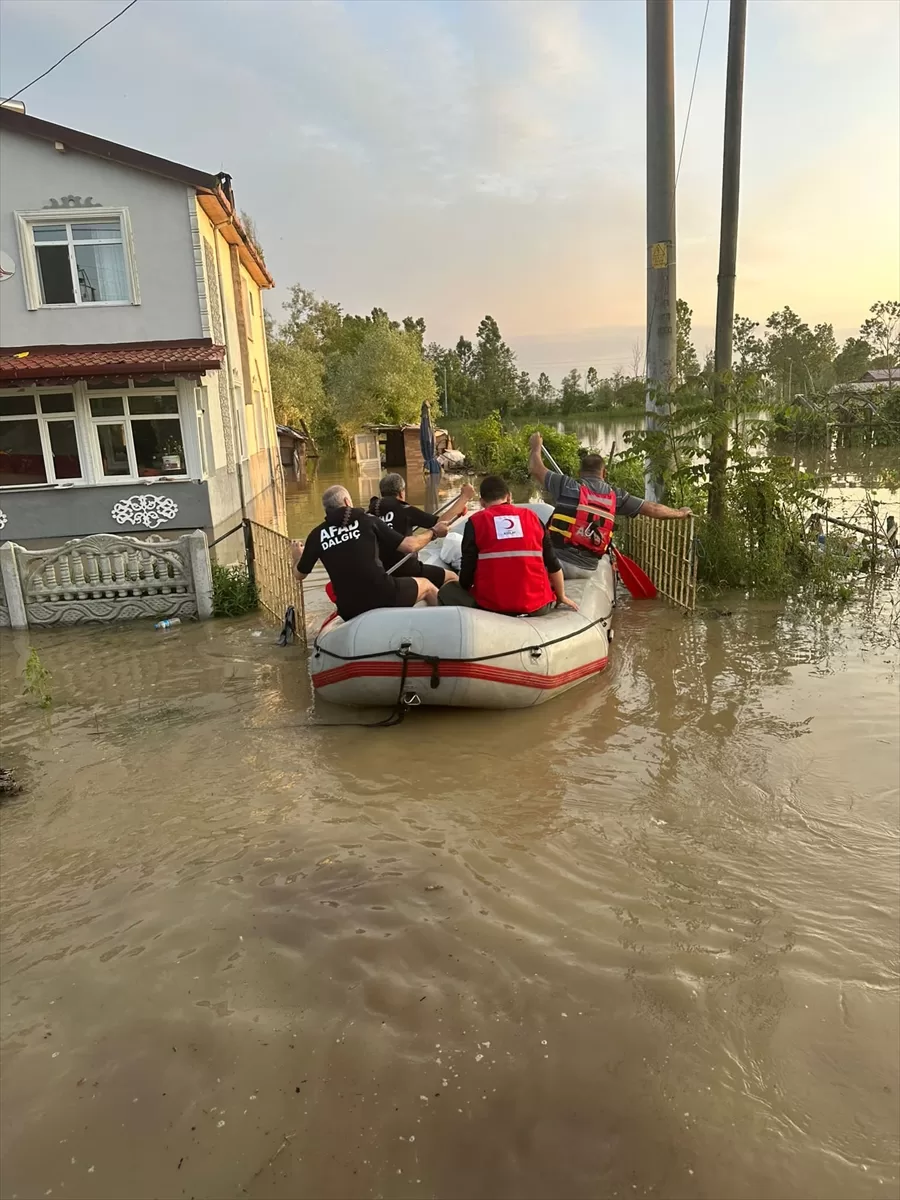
(12, 585)
(198, 550)
(250, 551)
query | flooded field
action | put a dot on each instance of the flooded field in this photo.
(642, 941)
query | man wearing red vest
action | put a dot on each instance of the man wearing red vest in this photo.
(508, 562)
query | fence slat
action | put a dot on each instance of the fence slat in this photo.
(665, 550)
(276, 580)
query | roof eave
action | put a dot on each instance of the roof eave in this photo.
(221, 212)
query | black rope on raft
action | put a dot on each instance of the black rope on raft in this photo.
(405, 651)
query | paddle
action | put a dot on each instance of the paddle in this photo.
(635, 579)
(329, 589)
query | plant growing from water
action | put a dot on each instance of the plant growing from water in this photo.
(234, 592)
(37, 680)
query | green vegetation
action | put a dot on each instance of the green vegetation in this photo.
(340, 372)
(37, 680)
(810, 388)
(234, 592)
(492, 449)
(762, 542)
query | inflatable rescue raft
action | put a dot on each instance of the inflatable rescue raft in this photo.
(465, 657)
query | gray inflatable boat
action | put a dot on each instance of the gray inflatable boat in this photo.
(465, 657)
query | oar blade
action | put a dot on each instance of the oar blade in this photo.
(637, 581)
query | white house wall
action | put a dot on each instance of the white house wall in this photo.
(33, 174)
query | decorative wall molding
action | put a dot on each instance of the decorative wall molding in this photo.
(73, 202)
(218, 329)
(197, 243)
(148, 511)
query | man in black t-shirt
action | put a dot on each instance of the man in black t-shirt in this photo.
(351, 544)
(403, 518)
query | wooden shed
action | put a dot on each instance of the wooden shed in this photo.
(400, 447)
(292, 444)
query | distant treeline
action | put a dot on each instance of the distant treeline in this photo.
(338, 372)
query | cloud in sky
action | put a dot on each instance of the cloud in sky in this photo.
(451, 158)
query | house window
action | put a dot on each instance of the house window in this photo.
(82, 260)
(38, 441)
(138, 435)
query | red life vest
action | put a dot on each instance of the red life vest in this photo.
(586, 522)
(510, 576)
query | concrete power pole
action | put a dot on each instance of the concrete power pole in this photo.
(728, 234)
(661, 290)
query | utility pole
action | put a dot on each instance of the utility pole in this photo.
(728, 234)
(661, 291)
(446, 401)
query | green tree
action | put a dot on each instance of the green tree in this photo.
(748, 349)
(687, 365)
(494, 370)
(298, 391)
(853, 361)
(449, 375)
(882, 331)
(385, 379)
(799, 359)
(525, 390)
(312, 323)
(572, 394)
(546, 394)
(415, 326)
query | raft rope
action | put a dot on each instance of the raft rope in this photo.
(404, 650)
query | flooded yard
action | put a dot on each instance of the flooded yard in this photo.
(640, 941)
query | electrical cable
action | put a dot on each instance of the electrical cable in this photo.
(69, 53)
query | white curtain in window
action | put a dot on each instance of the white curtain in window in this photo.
(101, 270)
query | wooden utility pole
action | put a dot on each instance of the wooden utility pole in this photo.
(728, 234)
(661, 292)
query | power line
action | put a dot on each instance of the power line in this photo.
(131, 4)
(687, 119)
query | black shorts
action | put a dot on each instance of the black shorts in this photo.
(414, 567)
(405, 592)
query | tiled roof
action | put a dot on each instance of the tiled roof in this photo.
(24, 364)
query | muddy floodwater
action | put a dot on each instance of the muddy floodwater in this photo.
(642, 940)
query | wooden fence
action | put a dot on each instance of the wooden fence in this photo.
(665, 550)
(276, 579)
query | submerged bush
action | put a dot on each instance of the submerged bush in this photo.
(492, 450)
(234, 592)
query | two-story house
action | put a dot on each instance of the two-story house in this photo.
(134, 379)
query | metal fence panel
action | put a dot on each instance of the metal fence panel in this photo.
(665, 550)
(276, 579)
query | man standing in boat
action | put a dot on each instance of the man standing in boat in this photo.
(585, 508)
(351, 544)
(508, 563)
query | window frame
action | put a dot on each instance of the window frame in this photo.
(125, 418)
(25, 224)
(43, 421)
(87, 438)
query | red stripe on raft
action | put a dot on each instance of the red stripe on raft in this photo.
(386, 669)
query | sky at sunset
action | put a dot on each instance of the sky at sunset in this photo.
(448, 159)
